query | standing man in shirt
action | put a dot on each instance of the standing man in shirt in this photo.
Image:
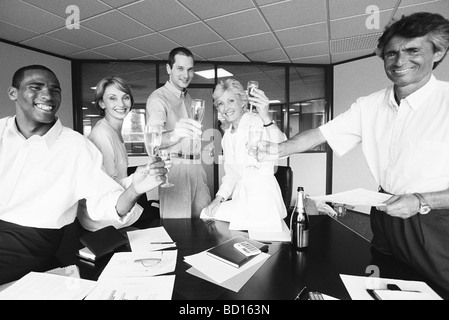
(170, 106)
(45, 169)
(404, 132)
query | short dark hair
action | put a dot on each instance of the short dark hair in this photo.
(101, 86)
(18, 76)
(179, 50)
(418, 25)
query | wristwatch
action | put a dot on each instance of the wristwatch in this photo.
(424, 208)
(269, 124)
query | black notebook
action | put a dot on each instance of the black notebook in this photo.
(104, 241)
(226, 251)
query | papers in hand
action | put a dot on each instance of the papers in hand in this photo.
(358, 287)
(356, 197)
(150, 239)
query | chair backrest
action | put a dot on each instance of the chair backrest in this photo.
(284, 176)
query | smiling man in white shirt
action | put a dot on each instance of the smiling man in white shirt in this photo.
(45, 169)
(404, 132)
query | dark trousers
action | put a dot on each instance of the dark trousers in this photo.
(421, 241)
(25, 249)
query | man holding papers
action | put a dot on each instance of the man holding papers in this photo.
(404, 134)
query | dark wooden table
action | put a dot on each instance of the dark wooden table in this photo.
(334, 249)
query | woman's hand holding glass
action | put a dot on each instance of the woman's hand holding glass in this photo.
(165, 156)
(259, 100)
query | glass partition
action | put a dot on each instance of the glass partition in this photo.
(303, 106)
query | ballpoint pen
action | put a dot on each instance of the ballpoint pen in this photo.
(301, 293)
(163, 242)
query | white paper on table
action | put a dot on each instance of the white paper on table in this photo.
(217, 270)
(356, 197)
(357, 285)
(47, 286)
(129, 264)
(133, 288)
(283, 236)
(235, 283)
(143, 239)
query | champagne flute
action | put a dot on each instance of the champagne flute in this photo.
(198, 107)
(254, 136)
(251, 85)
(165, 155)
(153, 138)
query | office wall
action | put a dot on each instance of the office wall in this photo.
(13, 57)
(352, 80)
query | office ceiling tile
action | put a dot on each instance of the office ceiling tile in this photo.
(304, 34)
(214, 50)
(192, 35)
(323, 59)
(160, 14)
(13, 33)
(215, 8)
(310, 50)
(260, 42)
(232, 58)
(116, 25)
(118, 3)
(26, 16)
(238, 25)
(273, 55)
(82, 37)
(348, 8)
(295, 13)
(441, 7)
(86, 8)
(88, 55)
(153, 43)
(120, 51)
(358, 25)
(246, 30)
(52, 45)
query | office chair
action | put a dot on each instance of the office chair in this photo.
(284, 177)
(150, 211)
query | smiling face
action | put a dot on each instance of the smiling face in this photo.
(231, 107)
(409, 62)
(116, 103)
(37, 100)
(181, 74)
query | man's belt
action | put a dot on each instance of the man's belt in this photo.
(181, 155)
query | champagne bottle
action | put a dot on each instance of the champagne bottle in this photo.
(299, 223)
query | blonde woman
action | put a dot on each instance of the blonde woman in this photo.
(253, 194)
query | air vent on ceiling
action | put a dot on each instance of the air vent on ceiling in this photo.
(355, 43)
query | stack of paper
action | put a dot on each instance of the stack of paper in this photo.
(150, 239)
(140, 264)
(47, 286)
(134, 288)
(359, 288)
(136, 276)
(213, 270)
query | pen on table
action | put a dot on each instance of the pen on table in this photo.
(163, 242)
(147, 259)
(301, 293)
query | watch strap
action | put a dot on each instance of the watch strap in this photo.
(423, 205)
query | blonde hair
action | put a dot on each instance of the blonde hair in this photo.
(233, 86)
